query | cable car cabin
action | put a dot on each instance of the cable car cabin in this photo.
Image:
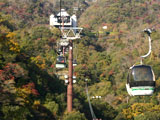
(74, 63)
(61, 62)
(140, 81)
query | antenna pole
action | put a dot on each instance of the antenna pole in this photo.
(70, 85)
(60, 9)
(60, 14)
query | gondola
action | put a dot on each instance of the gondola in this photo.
(141, 78)
(61, 62)
(74, 63)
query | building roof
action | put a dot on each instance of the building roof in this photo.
(63, 13)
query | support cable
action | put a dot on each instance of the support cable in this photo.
(90, 105)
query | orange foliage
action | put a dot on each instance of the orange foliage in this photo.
(39, 61)
(11, 42)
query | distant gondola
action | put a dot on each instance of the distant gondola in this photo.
(61, 62)
(74, 62)
(140, 81)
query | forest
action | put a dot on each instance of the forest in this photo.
(30, 88)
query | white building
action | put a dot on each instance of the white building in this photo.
(63, 19)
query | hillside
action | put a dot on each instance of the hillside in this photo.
(27, 13)
(29, 83)
(120, 46)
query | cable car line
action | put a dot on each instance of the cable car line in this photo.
(90, 105)
(153, 27)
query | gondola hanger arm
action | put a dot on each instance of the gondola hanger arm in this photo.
(148, 31)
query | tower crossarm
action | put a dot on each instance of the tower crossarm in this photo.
(71, 33)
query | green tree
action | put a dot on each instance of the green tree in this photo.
(74, 115)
